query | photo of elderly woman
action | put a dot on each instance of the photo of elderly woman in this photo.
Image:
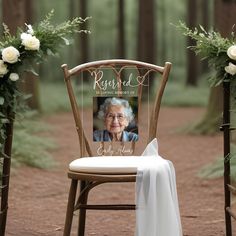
(117, 121)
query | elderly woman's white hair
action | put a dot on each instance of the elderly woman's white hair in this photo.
(128, 112)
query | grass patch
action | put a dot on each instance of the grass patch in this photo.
(216, 169)
(28, 147)
(54, 97)
(176, 94)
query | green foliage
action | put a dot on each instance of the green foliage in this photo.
(26, 48)
(213, 47)
(52, 37)
(26, 136)
(177, 94)
(28, 147)
(216, 169)
(10, 97)
(54, 97)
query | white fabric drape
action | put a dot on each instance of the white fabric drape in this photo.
(157, 212)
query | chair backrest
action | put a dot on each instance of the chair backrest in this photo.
(116, 78)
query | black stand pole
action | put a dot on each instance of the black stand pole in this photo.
(5, 178)
(226, 130)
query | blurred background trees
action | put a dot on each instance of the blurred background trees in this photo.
(130, 29)
(120, 28)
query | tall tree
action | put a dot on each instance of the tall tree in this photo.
(31, 85)
(121, 29)
(72, 8)
(205, 6)
(84, 37)
(15, 14)
(163, 29)
(205, 9)
(146, 31)
(192, 60)
(146, 46)
(83, 41)
(73, 11)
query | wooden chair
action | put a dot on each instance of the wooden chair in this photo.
(115, 70)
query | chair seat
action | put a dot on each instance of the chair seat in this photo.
(107, 164)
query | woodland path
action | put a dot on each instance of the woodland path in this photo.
(38, 198)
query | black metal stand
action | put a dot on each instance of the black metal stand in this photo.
(226, 129)
(5, 178)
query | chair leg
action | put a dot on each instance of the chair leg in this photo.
(70, 207)
(82, 212)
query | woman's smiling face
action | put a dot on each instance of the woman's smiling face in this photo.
(115, 120)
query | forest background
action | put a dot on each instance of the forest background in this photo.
(130, 29)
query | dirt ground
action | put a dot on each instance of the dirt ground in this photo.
(38, 198)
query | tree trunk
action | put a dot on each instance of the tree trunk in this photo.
(15, 14)
(146, 46)
(224, 18)
(83, 37)
(205, 23)
(72, 9)
(31, 85)
(192, 60)
(83, 41)
(121, 30)
(163, 38)
(146, 32)
(213, 117)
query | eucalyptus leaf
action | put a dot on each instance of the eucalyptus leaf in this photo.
(50, 52)
(67, 42)
(31, 70)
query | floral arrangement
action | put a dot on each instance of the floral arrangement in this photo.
(219, 51)
(21, 52)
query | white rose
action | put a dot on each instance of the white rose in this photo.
(3, 68)
(231, 69)
(24, 36)
(14, 77)
(10, 55)
(30, 42)
(231, 52)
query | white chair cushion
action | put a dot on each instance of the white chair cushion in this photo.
(107, 164)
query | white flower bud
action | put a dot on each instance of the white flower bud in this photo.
(30, 29)
(231, 69)
(14, 77)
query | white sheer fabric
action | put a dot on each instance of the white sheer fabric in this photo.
(157, 212)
